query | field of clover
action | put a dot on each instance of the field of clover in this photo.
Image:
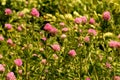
(59, 39)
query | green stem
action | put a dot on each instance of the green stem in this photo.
(80, 66)
(26, 70)
(95, 73)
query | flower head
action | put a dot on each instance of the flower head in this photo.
(53, 30)
(62, 24)
(106, 15)
(20, 72)
(87, 39)
(114, 44)
(44, 61)
(21, 14)
(92, 32)
(10, 76)
(63, 36)
(72, 53)
(19, 28)
(108, 65)
(87, 78)
(9, 41)
(48, 27)
(8, 11)
(1, 38)
(84, 19)
(35, 12)
(78, 20)
(2, 69)
(56, 47)
(8, 26)
(18, 62)
(92, 21)
(44, 38)
(116, 77)
(64, 29)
